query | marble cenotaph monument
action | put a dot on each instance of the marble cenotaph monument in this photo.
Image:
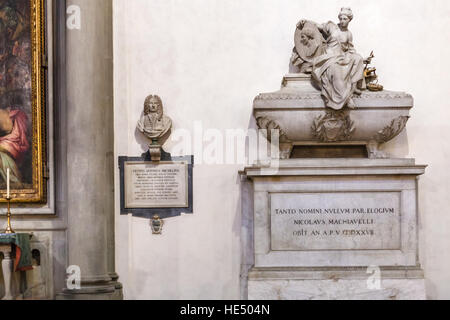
(337, 219)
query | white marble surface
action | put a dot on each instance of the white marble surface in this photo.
(161, 185)
(335, 221)
(338, 176)
(296, 257)
(390, 289)
(7, 269)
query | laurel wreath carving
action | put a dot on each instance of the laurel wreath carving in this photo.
(394, 129)
(316, 95)
(333, 126)
(267, 124)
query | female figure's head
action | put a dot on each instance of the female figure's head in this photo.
(345, 16)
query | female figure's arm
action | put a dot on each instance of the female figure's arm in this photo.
(351, 48)
(322, 27)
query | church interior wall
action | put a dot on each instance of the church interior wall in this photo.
(207, 60)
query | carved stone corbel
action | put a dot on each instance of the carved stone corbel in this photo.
(388, 133)
(267, 125)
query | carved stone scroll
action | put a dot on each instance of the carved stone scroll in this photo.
(391, 131)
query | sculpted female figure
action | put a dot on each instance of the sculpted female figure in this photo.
(338, 69)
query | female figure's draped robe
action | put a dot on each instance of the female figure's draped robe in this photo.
(340, 69)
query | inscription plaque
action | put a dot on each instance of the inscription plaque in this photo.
(161, 185)
(335, 221)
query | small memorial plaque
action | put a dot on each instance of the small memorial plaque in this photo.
(149, 188)
(161, 185)
(335, 221)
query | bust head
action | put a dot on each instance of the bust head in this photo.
(306, 36)
(153, 105)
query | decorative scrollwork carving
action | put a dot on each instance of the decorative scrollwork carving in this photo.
(394, 129)
(316, 95)
(268, 124)
(288, 96)
(333, 126)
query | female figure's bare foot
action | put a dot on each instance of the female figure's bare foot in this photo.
(351, 104)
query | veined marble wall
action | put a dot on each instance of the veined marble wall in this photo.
(208, 59)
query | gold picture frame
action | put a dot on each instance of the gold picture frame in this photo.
(35, 188)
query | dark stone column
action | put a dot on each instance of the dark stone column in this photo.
(90, 151)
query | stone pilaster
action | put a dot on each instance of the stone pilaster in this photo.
(90, 144)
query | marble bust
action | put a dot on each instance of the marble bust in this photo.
(154, 124)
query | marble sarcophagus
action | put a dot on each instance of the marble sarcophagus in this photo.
(299, 113)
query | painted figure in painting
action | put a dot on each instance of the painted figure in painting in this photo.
(15, 92)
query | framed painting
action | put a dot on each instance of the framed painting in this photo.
(22, 100)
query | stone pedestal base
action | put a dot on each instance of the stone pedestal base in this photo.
(94, 288)
(118, 293)
(318, 224)
(102, 296)
(98, 292)
(155, 152)
(318, 284)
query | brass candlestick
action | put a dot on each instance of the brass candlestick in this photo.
(9, 229)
